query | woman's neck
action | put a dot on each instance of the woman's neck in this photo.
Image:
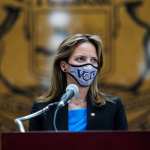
(81, 101)
(83, 92)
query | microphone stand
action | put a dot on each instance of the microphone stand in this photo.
(19, 120)
(54, 120)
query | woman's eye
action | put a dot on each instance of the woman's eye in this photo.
(80, 59)
(94, 60)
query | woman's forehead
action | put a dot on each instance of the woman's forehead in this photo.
(85, 48)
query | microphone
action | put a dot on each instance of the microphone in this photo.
(71, 91)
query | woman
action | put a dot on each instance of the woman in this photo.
(79, 61)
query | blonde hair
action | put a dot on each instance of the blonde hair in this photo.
(65, 50)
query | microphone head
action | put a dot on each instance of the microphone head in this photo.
(74, 88)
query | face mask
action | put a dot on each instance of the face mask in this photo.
(83, 74)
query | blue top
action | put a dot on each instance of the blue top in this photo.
(77, 120)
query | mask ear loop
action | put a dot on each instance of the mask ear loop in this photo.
(64, 69)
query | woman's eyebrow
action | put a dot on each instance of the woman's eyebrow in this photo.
(80, 55)
(94, 57)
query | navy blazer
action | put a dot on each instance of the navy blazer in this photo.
(110, 116)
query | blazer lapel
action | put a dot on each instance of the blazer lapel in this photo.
(88, 113)
(91, 115)
(62, 118)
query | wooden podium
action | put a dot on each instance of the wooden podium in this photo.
(75, 141)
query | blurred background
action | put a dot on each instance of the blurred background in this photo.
(31, 30)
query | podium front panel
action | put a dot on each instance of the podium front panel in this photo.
(76, 141)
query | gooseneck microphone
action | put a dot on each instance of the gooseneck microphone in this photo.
(71, 91)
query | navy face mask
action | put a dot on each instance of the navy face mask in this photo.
(83, 74)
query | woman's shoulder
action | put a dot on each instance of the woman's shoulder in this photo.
(112, 99)
(40, 103)
(114, 102)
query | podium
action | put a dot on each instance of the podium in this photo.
(75, 141)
